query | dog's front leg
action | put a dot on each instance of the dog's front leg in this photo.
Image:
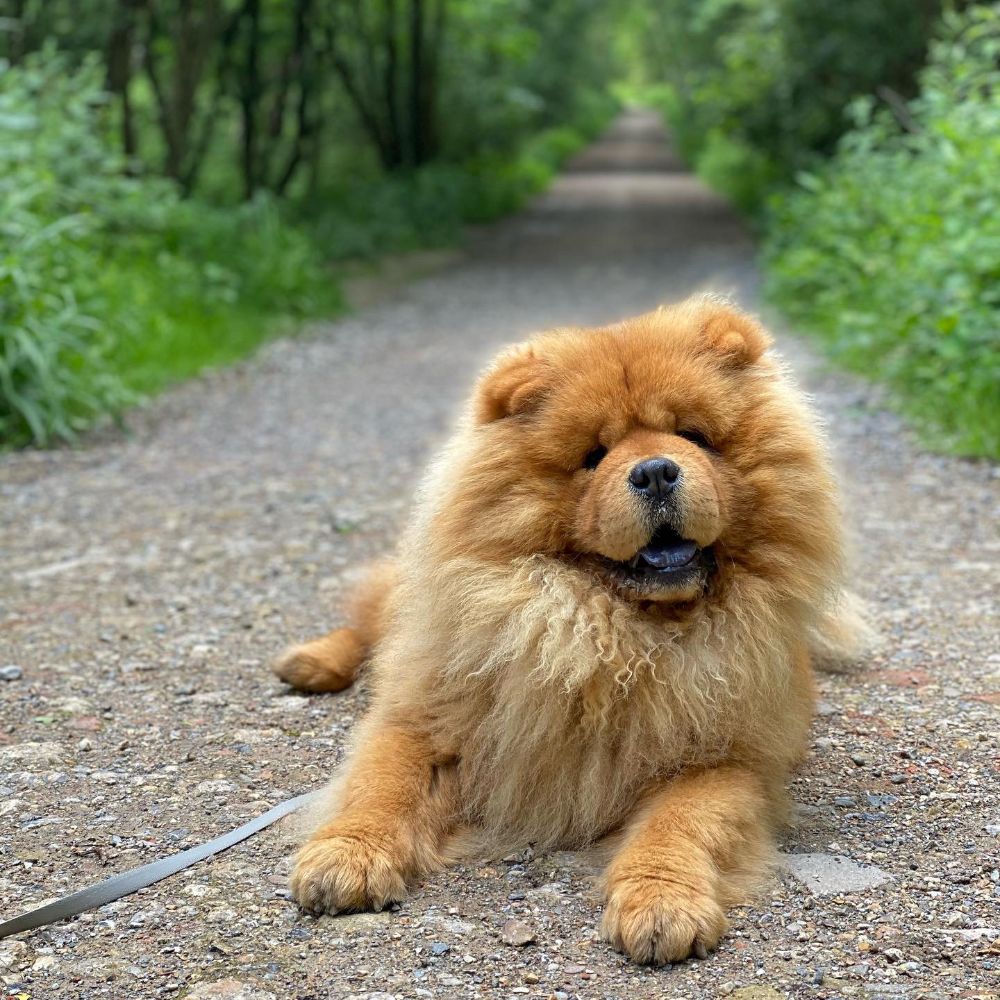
(394, 810)
(695, 847)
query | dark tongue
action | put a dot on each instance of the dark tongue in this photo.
(667, 556)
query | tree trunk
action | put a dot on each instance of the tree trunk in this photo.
(119, 68)
(250, 97)
(418, 136)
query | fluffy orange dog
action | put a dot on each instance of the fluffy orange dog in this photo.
(600, 622)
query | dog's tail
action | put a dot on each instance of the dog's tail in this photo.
(843, 635)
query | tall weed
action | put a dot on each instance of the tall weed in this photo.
(112, 284)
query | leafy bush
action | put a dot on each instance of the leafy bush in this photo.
(892, 252)
(429, 206)
(53, 350)
(111, 283)
(757, 89)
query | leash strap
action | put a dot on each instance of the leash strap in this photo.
(138, 878)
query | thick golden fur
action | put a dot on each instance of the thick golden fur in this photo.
(524, 692)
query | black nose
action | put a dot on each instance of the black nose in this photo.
(656, 477)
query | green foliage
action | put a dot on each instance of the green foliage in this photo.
(758, 88)
(173, 175)
(892, 251)
(53, 371)
(111, 283)
(429, 206)
(515, 67)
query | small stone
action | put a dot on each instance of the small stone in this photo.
(573, 970)
(517, 933)
(85, 745)
(440, 948)
(531, 978)
(844, 801)
(229, 989)
(878, 800)
(358, 921)
(898, 779)
(14, 955)
(29, 756)
(860, 759)
(828, 873)
(11, 673)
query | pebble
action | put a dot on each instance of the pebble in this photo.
(358, 921)
(826, 874)
(11, 673)
(30, 756)
(517, 933)
(14, 955)
(229, 989)
(440, 948)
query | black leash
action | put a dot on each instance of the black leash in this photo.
(138, 878)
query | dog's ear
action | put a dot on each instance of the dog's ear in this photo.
(735, 336)
(515, 383)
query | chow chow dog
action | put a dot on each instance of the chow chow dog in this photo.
(598, 627)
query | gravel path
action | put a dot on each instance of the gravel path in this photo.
(147, 580)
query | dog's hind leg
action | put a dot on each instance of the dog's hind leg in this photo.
(331, 662)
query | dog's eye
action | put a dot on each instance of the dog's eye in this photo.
(695, 437)
(594, 456)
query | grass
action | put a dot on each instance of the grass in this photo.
(113, 287)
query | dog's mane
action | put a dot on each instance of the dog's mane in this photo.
(564, 701)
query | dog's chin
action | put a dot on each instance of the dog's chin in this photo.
(668, 569)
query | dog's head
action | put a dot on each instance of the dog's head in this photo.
(665, 453)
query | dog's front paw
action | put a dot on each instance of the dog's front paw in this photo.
(347, 871)
(655, 920)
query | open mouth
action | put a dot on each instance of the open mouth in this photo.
(666, 561)
(666, 552)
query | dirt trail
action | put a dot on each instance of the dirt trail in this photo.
(147, 580)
